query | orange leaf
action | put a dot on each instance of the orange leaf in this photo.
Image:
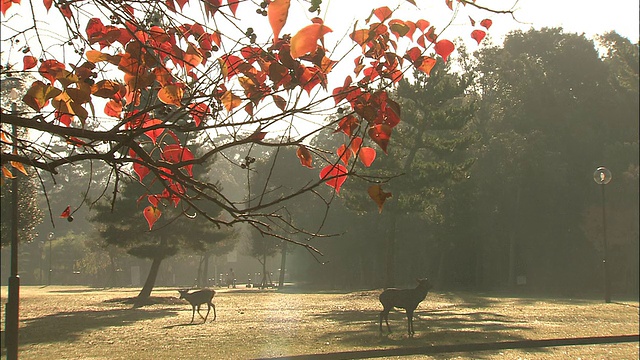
(305, 156)
(39, 94)
(7, 173)
(444, 48)
(230, 101)
(378, 195)
(152, 215)
(171, 95)
(486, 23)
(426, 64)
(20, 167)
(29, 62)
(277, 12)
(337, 175)
(361, 36)
(478, 35)
(306, 40)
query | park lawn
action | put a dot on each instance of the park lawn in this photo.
(65, 322)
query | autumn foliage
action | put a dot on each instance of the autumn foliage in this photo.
(158, 89)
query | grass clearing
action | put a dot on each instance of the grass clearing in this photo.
(65, 322)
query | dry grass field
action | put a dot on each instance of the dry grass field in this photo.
(87, 323)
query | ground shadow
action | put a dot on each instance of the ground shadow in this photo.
(433, 327)
(68, 326)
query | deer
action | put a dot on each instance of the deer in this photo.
(407, 299)
(197, 298)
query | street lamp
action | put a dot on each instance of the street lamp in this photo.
(602, 176)
(13, 306)
(50, 258)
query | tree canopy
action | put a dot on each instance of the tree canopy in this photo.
(142, 85)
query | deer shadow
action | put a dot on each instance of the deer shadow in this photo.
(433, 327)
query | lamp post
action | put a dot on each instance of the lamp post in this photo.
(50, 259)
(13, 306)
(602, 176)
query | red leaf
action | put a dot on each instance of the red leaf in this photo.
(66, 213)
(29, 62)
(422, 24)
(486, 23)
(63, 118)
(367, 155)
(343, 154)
(140, 170)
(258, 135)
(198, 112)
(336, 175)
(47, 4)
(378, 195)
(305, 156)
(175, 154)
(153, 134)
(444, 48)
(153, 200)
(51, 70)
(233, 6)
(449, 4)
(113, 108)
(478, 35)
(380, 134)
(66, 11)
(152, 215)
(348, 125)
(383, 13)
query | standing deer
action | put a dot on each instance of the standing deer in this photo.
(197, 298)
(407, 299)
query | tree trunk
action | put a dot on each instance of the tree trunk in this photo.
(144, 294)
(283, 264)
(513, 247)
(390, 251)
(205, 270)
(263, 283)
(113, 273)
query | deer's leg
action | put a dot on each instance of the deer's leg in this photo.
(193, 313)
(410, 322)
(199, 312)
(214, 310)
(206, 316)
(385, 313)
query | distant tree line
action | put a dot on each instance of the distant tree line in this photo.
(491, 189)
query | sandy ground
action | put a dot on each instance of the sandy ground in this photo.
(87, 323)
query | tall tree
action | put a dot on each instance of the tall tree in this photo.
(162, 78)
(546, 125)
